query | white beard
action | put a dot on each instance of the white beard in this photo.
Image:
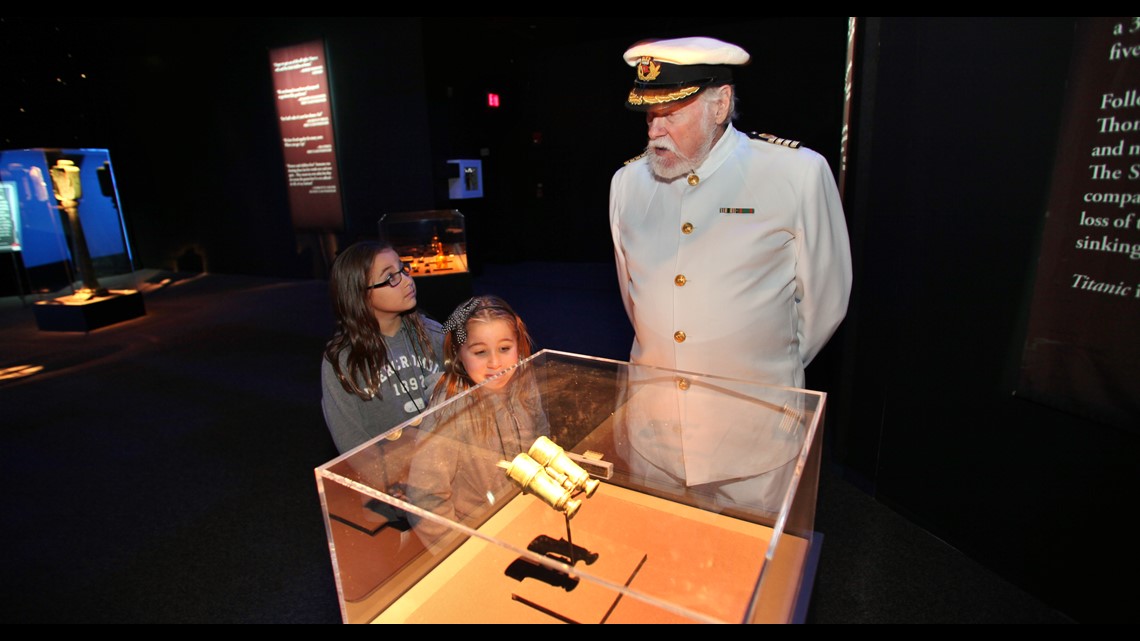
(670, 169)
(665, 168)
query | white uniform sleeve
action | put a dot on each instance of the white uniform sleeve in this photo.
(823, 263)
(619, 253)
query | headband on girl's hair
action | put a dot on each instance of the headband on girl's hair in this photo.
(457, 322)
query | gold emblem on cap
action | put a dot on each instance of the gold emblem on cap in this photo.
(647, 70)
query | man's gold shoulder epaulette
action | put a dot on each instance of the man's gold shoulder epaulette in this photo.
(775, 140)
(636, 158)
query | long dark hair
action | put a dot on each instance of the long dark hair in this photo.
(357, 331)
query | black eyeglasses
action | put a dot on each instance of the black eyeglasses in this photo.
(393, 279)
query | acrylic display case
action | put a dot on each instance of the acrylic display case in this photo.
(584, 490)
(61, 225)
(433, 244)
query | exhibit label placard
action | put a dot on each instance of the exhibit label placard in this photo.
(304, 115)
(1082, 349)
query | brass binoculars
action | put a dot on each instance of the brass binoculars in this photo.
(549, 474)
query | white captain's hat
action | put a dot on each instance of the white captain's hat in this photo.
(678, 68)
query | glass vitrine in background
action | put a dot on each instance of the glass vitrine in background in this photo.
(61, 224)
(433, 244)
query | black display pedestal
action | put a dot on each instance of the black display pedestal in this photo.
(65, 314)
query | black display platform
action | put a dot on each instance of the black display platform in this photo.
(65, 314)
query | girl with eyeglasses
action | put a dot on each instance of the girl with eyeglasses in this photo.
(384, 357)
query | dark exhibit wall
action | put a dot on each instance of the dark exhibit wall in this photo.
(954, 152)
(190, 130)
(382, 121)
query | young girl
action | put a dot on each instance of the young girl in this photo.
(483, 338)
(384, 357)
(455, 472)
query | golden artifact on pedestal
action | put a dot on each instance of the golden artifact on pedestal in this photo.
(568, 473)
(532, 477)
(68, 190)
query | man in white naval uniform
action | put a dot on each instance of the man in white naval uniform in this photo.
(733, 260)
(732, 251)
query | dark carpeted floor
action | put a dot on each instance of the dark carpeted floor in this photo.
(161, 470)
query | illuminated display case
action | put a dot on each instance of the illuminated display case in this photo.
(433, 244)
(584, 490)
(60, 221)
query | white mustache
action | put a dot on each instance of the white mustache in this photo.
(667, 144)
